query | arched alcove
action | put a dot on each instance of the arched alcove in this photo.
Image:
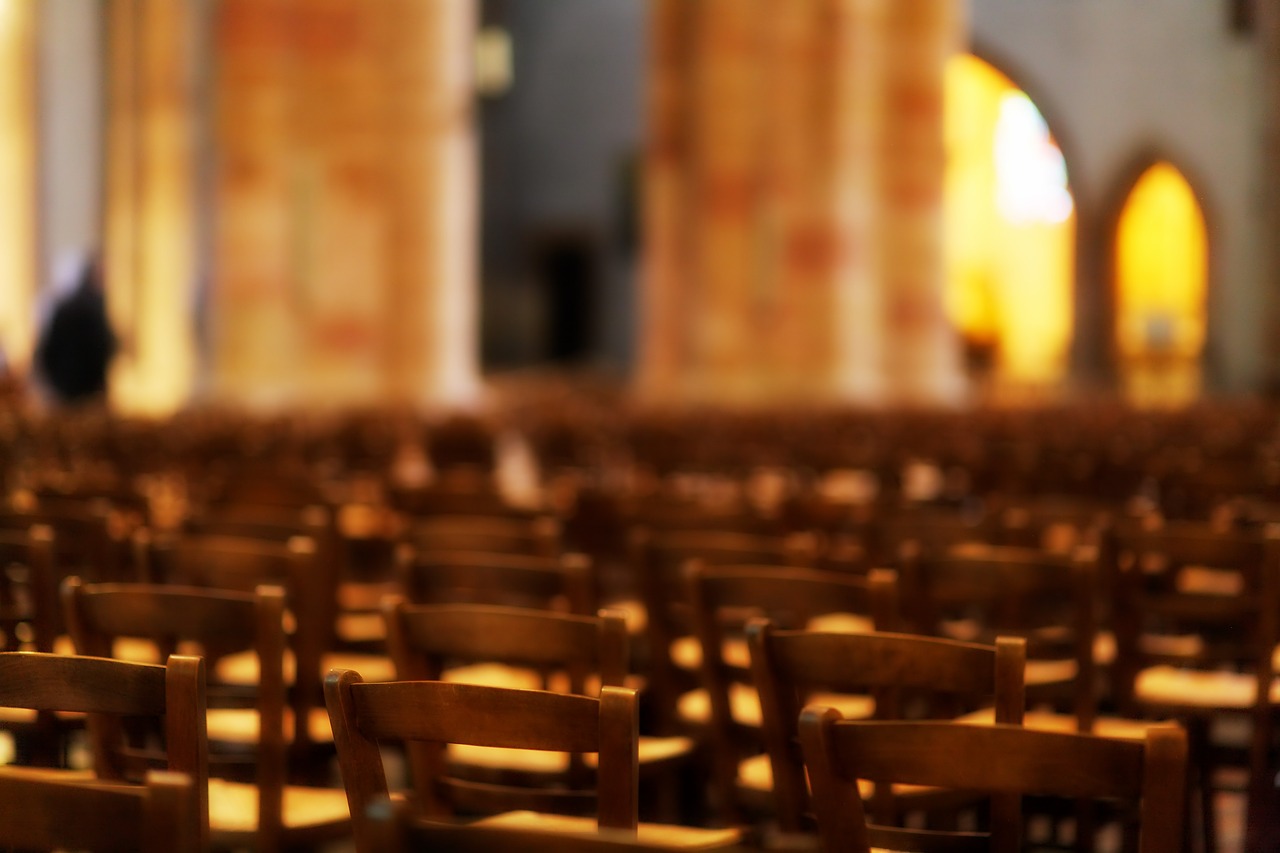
(1010, 231)
(1160, 263)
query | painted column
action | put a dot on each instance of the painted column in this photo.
(432, 306)
(18, 215)
(347, 236)
(922, 362)
(150, 252)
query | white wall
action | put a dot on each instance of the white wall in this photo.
(1118, 79)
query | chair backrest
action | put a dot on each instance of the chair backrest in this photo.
(723, 598)
(243, 564)
(548, 583)
(114, 693)
(160, 816)
(425, 640)
(658, 562)
(216, 623)
(788, 665)
(29, 614)
(1001, 758)
(438, 712)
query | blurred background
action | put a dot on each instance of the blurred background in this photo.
(345, 202)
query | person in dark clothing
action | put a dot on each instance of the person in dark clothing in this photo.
(77, 344)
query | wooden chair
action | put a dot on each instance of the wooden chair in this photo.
(436, 713)
(669, 654)
(901, 671)
(978, 592)
(532, 649)
(250, 798)
(29, 614)
(998, 759)
(722, 599)
(142, 717)
(1196, 628)
(240, 564)
(160, 816)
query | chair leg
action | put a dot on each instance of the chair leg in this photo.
(1200, 789)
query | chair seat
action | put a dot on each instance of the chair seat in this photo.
(233, 808)
(1170, 687)
(657, 834)
(653, 750)
(240, 725)
(694, 707)
(360, 627)
(633, 612)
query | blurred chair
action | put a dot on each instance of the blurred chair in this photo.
(250, 798)
(436, 713)
(141, 717)
(999, 759)
(901, 672)
(722, 599)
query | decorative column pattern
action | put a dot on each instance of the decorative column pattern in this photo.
(18, 263)
(149, 260)
(347, 191)
(921, 356)
(794, 244)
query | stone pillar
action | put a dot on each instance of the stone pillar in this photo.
(432, 309)
(347, 193)
(922, 360)
(794, 201)
(150, 253)
(18, 215)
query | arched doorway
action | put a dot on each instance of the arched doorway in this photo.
(1161, 264)
(1010, 233)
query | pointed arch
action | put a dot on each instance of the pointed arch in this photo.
(1159, 262)
(1011, 229)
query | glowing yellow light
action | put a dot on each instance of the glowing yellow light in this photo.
(1162, 272)
(17, 178)
(1010, 225)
